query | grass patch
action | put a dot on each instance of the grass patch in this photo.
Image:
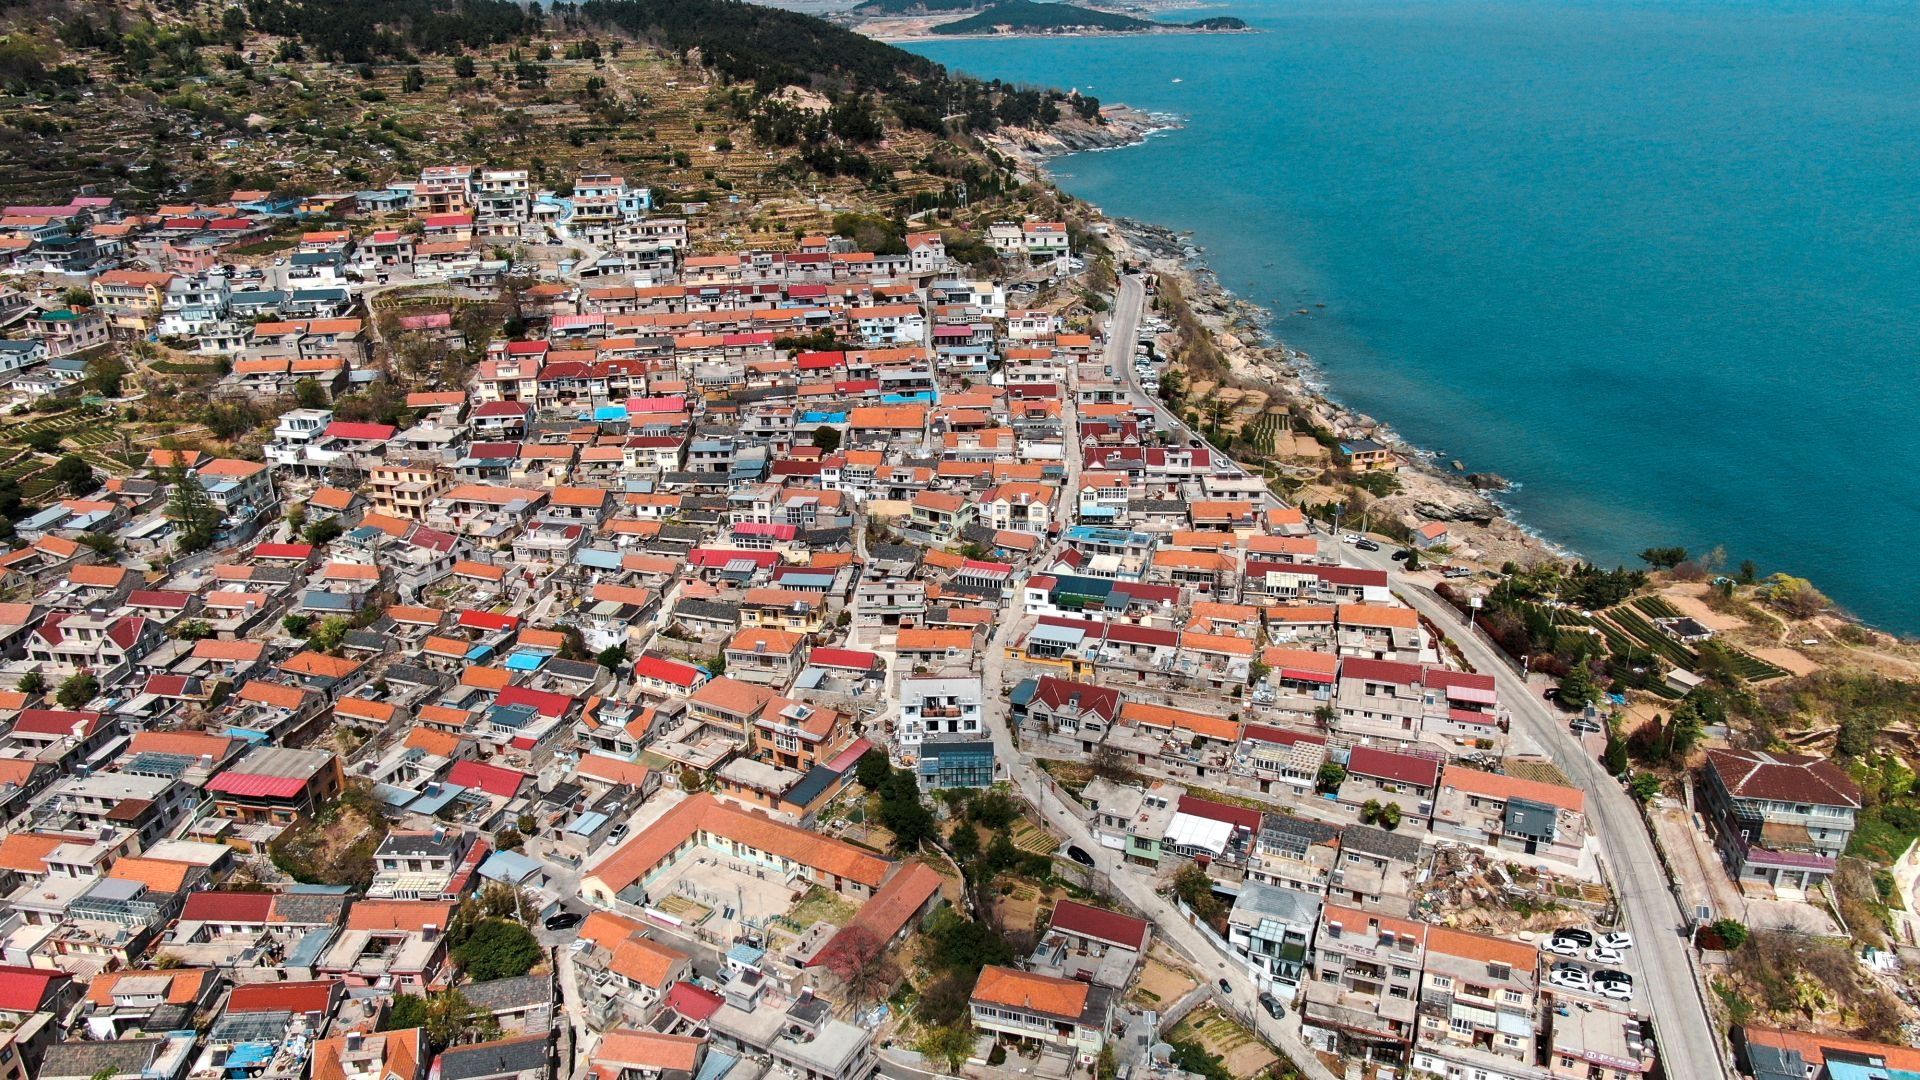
(1882, 833)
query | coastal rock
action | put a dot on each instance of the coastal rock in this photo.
(1457, 506)
(1486, 481)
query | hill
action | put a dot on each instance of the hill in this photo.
(1031, 17)
(156, 105)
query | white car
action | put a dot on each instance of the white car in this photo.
(1614, 984)
(1571, 979)
(1618, 941)
(1351, 538)
(1603, 955)
(1564, 947)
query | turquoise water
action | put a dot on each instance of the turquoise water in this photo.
(1658, 263)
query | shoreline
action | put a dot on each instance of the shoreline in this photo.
(1482, 529)
(1040, 35)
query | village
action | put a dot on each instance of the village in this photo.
(808, 662)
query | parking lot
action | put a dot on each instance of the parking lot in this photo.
(1577, 950)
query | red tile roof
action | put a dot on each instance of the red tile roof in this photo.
(1388, 765)
(225, 907)
(294, 997)
(492, 779)
(1099, 924)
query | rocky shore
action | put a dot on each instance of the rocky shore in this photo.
(1430, 490)
(1479, 527)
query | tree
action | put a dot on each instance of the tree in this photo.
(1795, 596)
(1615, 758)
(873, 769)
(826, 438)
(1577, 689)
(509, 839)
(612, 657)
(497, 949)
(1749, 572)
(1731, 932)
(1390, 816)
(902, 812)
(952, 1044)
(76, 476)
(330, 633)
(1664, 558)
(31, 683)
(1332, 775)
(964, 841)
(1370, 811)
(463, 67)
(407, 1011)
(1110, 763)
(323, 532)
(1193, 886)
(1644, 786)
(195, 519)
(858, 958)
(296, 625)
(77, 689)
(193, 630)
(1001, 854)
(105, 373)
(44, 441)
(1413, 560)
(451, 1018)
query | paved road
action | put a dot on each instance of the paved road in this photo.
(1684, 1033)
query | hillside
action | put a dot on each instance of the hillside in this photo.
(872, 8)
(690, 96)
(1031, 17)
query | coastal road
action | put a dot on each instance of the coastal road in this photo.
(1683, 1032)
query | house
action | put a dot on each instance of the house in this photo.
(1479, 1005)
(1376, 869)
(385, 1055)
(1029, 1009)
(1511, 812)
(947, 762)
(938, 707)
(1391, 776)
(1362, 996)
(1779, 820)
(1091, 944)
(1072, 711)
(396, 945)
(275, 784)
(1271, 928)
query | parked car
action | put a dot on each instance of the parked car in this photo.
(1584, 938)
(1603, 955)
(1402, 555)
(1226, 987)
(1583, 726)
(1560, 946)
(1571, 978)
(1273, 1006)
(1619, 939)
(1456, 572)
(565, 920)
(1365, 544)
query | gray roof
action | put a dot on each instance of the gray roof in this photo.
(86, 1059)
(1258, 900)
(420, 844)
(308, 909)
(1372, 841)
(1304, 831)
(503, 1058)
(708, 610)
(515, 993)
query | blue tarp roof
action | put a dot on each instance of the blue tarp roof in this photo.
(508, 866)
(525, 661)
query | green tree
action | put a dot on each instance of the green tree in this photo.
(1615, 758)
(1332, 775)
(1577, 689)
(873, 769)
(612, 657)
(950, 1044)
(31, 683)
(1193, 886)
(296, 625)
(1795, 596)
(407, 1011)
(195, 519)
(193, 630)
(309, 394)
(497, 949)
(77, 689)
(1390, 816)
(451, 1018)
(965, 842)
(105, 374)
(1644, 786)
(826, 438)
(1370, 811)
(323, 532)
(330, 633)
(76, 476)
(1664, 558)
(463, 67)
(1731, 932)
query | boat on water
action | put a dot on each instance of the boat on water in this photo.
(1179, 80)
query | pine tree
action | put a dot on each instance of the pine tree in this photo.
(193, 514)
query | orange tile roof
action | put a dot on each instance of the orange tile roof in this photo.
(183, 984)
(1162, 716)
(1518, 956)
(704, 813)
(266, 693)
(26, 852)
(486, 678)
(160, 875)
(319, 665)
(646, 1050)
(399, 914)
(1500, 786)
(431, 741)
(645, 961)
(1045, 994)
(1378, 615)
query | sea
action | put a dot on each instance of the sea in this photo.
(1657, 263)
